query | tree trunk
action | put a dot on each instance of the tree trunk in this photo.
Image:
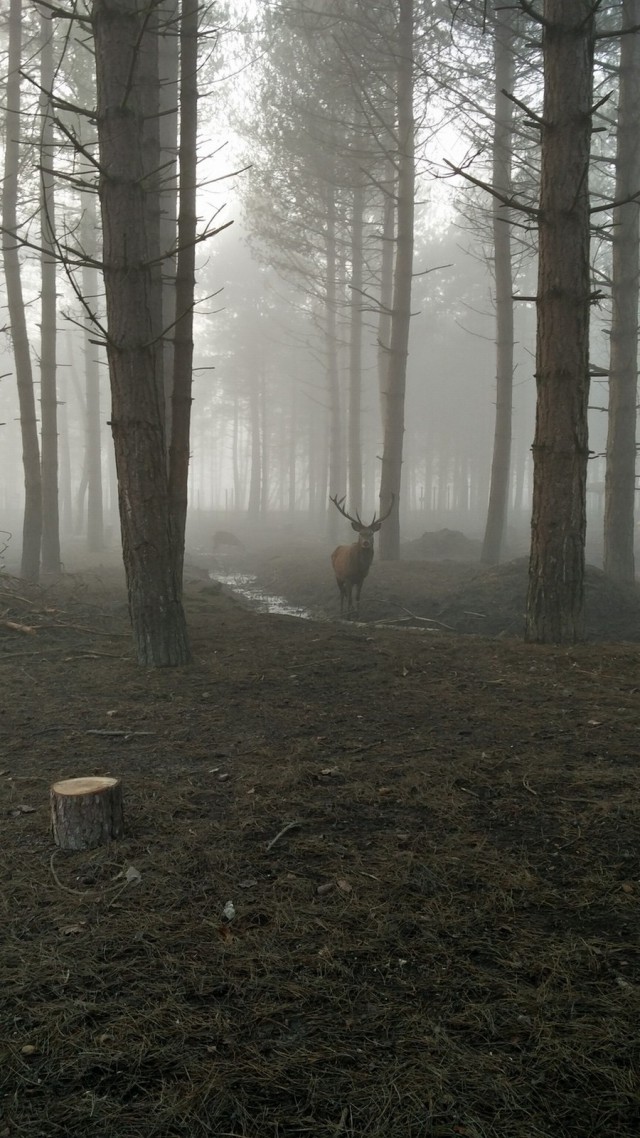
(620, 480)
(48, 321)
(355, 352)
(170, 48)
(64, 449)
(265, 488)
(253, 507)
(290, 442)
(147, 71)
(386, 294)
(238, 492)
(93, 432)
(86, 812)
(555, 602)
(401, 314)
(336, 455)
(137, 423)
(502, 156)
(185, 282)
(32, 525)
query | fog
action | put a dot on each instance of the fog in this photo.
(261, 417)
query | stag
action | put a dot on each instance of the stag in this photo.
(351, 563)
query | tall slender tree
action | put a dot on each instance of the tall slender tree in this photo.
(504, 62)
(403, 275)
(555, 602)
(32, 524)
(185, 280)
(48, 308)
(620, 480)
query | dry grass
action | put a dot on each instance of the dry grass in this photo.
(445, 945)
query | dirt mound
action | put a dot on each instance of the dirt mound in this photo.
(493, 602)
(442, 545)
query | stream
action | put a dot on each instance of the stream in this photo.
(246, 585)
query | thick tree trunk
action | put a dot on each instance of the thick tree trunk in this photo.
(171, 24)
(401, 314)
(355, 352)
(137, 423)
(147, 76)
(181, 397)
(555, 603)
(48, 319)
(32, 525)
(620, 478)
(502, 156)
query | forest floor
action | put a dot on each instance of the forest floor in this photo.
(430, 837)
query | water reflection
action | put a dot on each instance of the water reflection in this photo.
(245, 585)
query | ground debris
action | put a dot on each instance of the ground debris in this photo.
(447, 945)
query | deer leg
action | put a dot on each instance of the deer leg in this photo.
(358, 591)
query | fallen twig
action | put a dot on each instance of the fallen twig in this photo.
(427, 619)
(16, 597)
(28, 629)
(283, 831)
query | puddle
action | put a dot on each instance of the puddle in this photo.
(245, 585)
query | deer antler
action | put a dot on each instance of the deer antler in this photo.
(339, 504)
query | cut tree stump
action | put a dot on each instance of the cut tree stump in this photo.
(86, 812)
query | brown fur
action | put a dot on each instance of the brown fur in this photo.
(351, 563)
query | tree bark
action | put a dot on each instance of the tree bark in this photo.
(265, 465)
(555, 602)
(181, 396)
(48, 319)
(171, 23)
(93, 433)
(336, 452)
(386, 291)
(401, 310)
(253, 507)
(32, 524)
(86, 812)
(504, 40)
(133, 348)
(355, 352)
(620, 477)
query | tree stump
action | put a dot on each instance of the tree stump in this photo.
(86, 812)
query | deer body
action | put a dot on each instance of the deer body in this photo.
(351, 563)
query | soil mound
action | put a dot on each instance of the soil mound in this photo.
(442, 545)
